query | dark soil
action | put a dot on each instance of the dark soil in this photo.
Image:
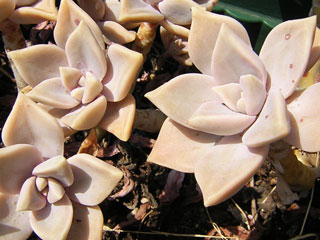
(138, 210)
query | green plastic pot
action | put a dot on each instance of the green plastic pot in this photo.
(260, 16)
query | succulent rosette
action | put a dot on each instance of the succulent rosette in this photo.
(41, 190)
(174, 16)
(222, 120)
(79, 81)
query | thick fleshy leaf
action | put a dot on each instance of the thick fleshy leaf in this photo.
(87, 223)
(315, 51)
(272, 124)
(254, 93)
(175, 29)
(179, 148)
(123, 68)
(69, 17)
(29, 198)
(182, 96)
(112, 10)
(13, 225)
(226, 167)
(215, 118)
(55, 190)
(39, 62)
(16, 165)
(51, 92)
(138, 11)
(56, 167)
(6, 8)
(84, 53)
(77, 93)
(41, 183)
(177, 11)
(95, 8)
(230, 94)
(241, 105)
(289, 44)
(116, 33)
(304, 113)
(28, 123)
(54, 220)
(92, 88)
(119, 118)
(86, 116)
(232, 58)
(204, 31)
(40, 11)
(94, 179)
(70, 77)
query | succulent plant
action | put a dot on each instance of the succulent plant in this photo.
(42, 191)
(76, 78)
(222, 120)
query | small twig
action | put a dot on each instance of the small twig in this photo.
(265, 199)
(215, 226)
(253, 204)
(107, 229)
(305, 236)
(243, 214)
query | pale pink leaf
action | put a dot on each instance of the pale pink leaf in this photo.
(29, 197)
(254, 93)
(6, 8)
(95, 8)
(70, 77)
(177, 11)
(272, 124)
(181, 96)
(56, 167)
(41, 10)
(232, 58)
(116, 33)
(179, 148)
(54, 220)
(69, 17)
(86, 116)
(204, 31)
(119, 118)
(30, 124)
(13, 224)
(92, 88)
(289, 45)
(87, 223)
(124, 66)
(226, 168)
(16, 165)
(229, 94)
(55, 190)
(138, 11)
(94, 179)
(304, 113)
(84, 53)
(51, 92)
(39, 62)
(215, 118)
